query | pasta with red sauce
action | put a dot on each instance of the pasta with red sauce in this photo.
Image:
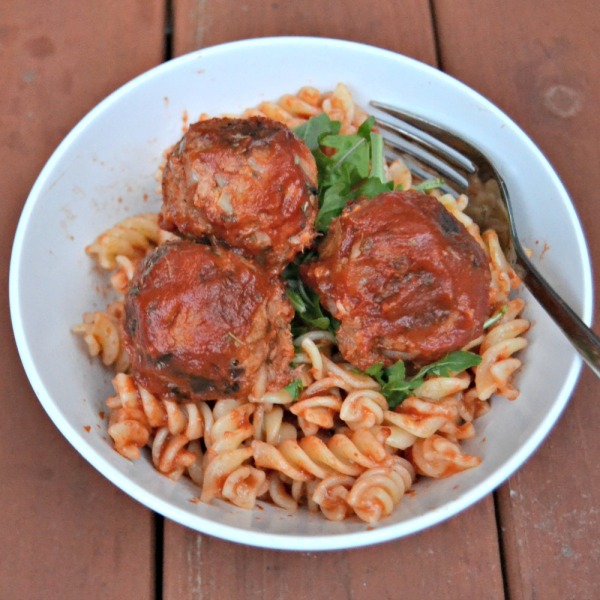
(209, 376)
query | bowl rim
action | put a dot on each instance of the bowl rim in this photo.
(283, 541)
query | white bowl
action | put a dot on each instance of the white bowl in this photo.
(105, 170)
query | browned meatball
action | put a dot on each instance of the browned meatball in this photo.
(404, 277)
(203, 323)
(250, 183)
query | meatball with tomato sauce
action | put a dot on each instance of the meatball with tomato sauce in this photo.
(203, 323)
(405, 279)
(248, 183)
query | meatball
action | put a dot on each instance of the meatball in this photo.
(250, 183)
(405, 279)
(203, 323)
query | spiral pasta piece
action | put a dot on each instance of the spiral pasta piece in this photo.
(375, 494)
(504, 277)
(219, 469)
(437, 388)
(394, 436)
(129, 433)
(288, 458)
(101, 332)
(129, 424)
(130, 396)
(439, 457)
(131, 237)
(138, 418)
(340, 106)
(321, 402)
(315, 358)
(329, 456)
(471, 407)
(444, 396)
(170, 455)
(400, 174)
(495, 372)
(231, 427)
(195, 470)
(243, 485)
(351, 378)
(279, 493)
(270, 427)
(458, 428)
(361, 447)
(317, 412)
(419, 418)
(363, 409)
(326, 373)
(226, 472)
(121, 278)
(331, 495)
(191, 419)
(303, 491)
(295, 109)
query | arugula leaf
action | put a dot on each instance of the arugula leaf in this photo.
(372, 187)
(352, 156)
(294, 388)
(377, 157)
(349, 166)
(495, 318)
(375, 371)
(307, 307)
(429, 184)
(315, 128)
(396, 387)
(332, 202)
(455, 362)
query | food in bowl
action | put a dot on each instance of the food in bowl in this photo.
(249, 183)
(201, 322)
(344, 427)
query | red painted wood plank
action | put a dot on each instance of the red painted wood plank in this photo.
(550, 512)
(441, 562)
(65, 532)
(538, 62)
(404, 27)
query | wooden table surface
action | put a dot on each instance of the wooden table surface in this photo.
(66, 532)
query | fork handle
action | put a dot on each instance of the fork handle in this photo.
(585, 341)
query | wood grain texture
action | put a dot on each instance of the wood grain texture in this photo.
(65, 532)
(403, 26)
(540, 65)
(444, 558)
(550, 515)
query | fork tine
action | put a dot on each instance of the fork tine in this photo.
(423, 164)
(424, 173)
(423, 140)
(453, 149)
(430, 154)
(425, 159)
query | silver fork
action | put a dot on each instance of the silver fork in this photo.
(429, 151)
